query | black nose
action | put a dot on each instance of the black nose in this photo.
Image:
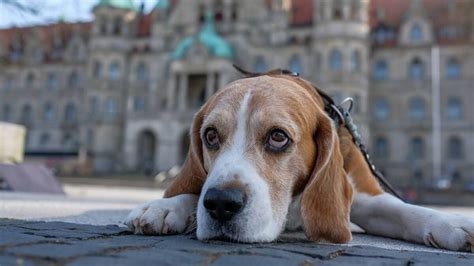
(224, 204)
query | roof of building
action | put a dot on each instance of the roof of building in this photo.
(301, 13)
(450, 20)
(209, 37)
(122, 4)
(445, 16)
(163, 4)
(46, 34)
(144, 25)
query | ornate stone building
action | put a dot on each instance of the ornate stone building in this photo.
(124, 87)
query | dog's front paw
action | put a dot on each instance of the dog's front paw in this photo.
(163, 216)
(450, 232)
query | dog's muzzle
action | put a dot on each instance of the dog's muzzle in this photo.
(223, 204)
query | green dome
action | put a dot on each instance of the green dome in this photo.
(122, 4)
(163, 4)
(208, 36)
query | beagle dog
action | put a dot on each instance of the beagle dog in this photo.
(265, 157)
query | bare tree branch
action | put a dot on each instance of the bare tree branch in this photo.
(18, 6)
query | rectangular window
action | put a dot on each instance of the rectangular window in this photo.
(139, 104)
(111, 107)
(93, 106)
(8, 85)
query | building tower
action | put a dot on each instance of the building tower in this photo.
(341, 51)
(106, 93)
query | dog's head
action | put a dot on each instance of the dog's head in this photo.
(256, 144)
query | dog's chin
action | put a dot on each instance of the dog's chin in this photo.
(232, 233)
(236, 238)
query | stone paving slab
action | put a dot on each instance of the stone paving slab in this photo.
(58, 243)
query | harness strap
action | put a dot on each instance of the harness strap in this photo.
(341, 117)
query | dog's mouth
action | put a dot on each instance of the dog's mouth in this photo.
(233, 239)
(228, 232)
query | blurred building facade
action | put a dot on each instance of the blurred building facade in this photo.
(124, 87)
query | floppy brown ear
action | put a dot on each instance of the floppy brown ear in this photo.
(192, 176)
(325, 205)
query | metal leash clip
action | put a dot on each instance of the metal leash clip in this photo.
(356, 137)
(347, 118)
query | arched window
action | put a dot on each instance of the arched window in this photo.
(295, 64)
(48, 112)
(260, 64)
(381, 109)
(142, 72)
(335, 60)
(454, 109)
(417, 148)
(97, 71)
(114, 71)
(26, 117)
(453, 69)
(7, 113)
(70, 114)
(52, 81)
(380, 71)
(73, 80)
(416, 69)
(416, 108)
(416, 33)
(355, 61)
(44, 139)
(30, 80)
(381, 148)
(455, 148)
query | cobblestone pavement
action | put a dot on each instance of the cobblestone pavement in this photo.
(59, 243)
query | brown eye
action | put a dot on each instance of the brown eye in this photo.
(211, 138)
(277, 140)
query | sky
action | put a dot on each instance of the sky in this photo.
(51, 11)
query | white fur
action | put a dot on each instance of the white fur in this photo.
(163, 216)
(256, 221)
(386, 215)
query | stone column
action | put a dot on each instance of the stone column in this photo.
(171, 92)
(129, 104)
(363, 11)
(327, 10)
(227, 6)
(183, 92)
(222, 80)
(153, 100)
(211, 80)
(346, 9)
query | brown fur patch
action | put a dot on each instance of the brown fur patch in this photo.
(313, 164)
